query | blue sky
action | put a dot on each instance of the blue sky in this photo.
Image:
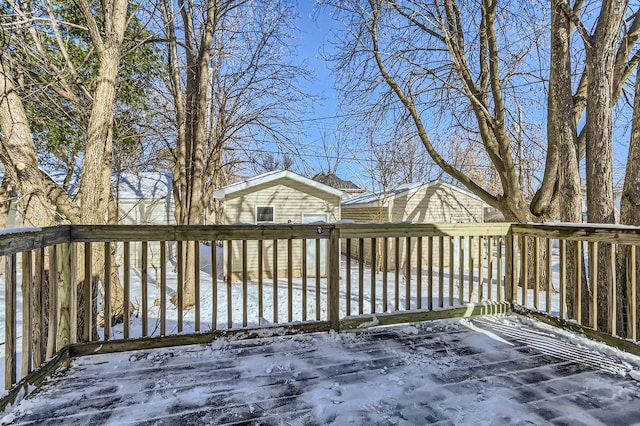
(315, 33)
(316, 30)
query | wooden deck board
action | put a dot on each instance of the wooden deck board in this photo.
(324, 379)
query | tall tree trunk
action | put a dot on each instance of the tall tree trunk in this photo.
(95, 181)
(562, 133)
(6, 188)
(630, 215)
(601, 56)
(17, 151)
(192, 125)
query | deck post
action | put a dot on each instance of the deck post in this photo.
(509, 274)
(333, 287)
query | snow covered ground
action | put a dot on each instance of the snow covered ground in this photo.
(481, 371)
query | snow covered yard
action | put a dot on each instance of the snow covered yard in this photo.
(485, 370)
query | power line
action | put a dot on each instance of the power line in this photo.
(337, 157)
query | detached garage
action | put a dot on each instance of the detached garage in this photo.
(432, 202)
(278, 197)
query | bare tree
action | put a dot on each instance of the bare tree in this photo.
(469, 65)
(231, 84)
(333, 148)
(269, 161)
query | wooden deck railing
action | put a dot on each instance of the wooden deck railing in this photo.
(580, 274)
(178, 280)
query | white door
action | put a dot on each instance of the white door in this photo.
(311, 246)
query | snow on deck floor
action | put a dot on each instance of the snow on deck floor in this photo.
(486, 370)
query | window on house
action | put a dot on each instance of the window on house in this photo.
(264, 214)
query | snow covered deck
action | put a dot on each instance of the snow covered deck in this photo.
(485, 370)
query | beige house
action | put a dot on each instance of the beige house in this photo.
(432, 202)
(278, 197)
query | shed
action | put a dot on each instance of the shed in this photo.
(278, 197)
(144, 198)
(432, 202)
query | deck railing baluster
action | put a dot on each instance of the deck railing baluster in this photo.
(549, 286)
(385, 274)
(163, 287)
(347, 279)
(499, 277)
(107, 291)
(244, 284)
(490, 240)
(27, 313)
(524, 269)
(407, 273)
(460, 270)
(373, 274)
(419, 273)
(441, 271)
(563, 279)
(360, 276)
(633, 293)
(451, 270)
(304, 280)
(53, 301)
(126, 275)
(261, 280)
(144, 284)
(397, 273)
(333, 280)
(275, 281)
(10, 286)
(181, 284)
(430, 273)
(290, 280)
(536, 272)
(229, 277)
(65, 298)
(480, 268)
(593, 283)
(471, 266)
(39, 299)
(318, 255)
(578, 265)
(88, 293)
(196, 285)
(613, 293)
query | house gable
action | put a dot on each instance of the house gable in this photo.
(287, 196)
(270, 177)
(436, 201)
